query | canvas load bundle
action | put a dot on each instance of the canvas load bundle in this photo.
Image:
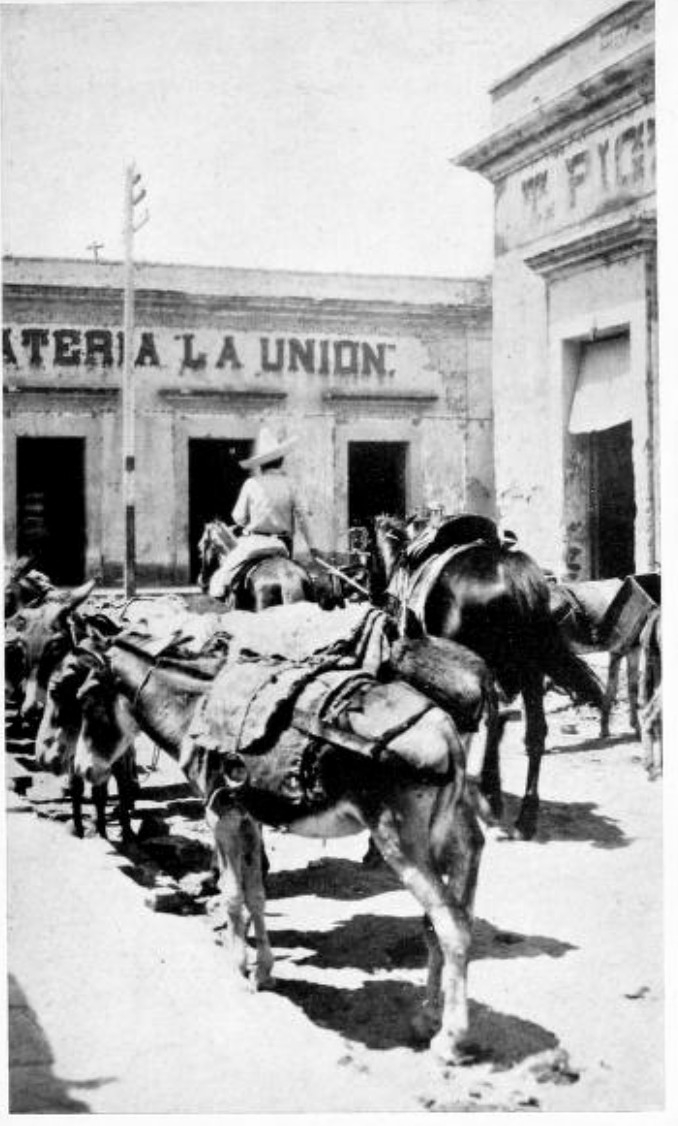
(279, 718)
(448, 673)
(634, 603)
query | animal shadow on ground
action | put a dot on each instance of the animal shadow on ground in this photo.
(598, 743)
(176, 855)
(388, 942)
(570, 821)
(24, 757)
(332, 878)
(33, 1086)
(379, 1016)
(171, 792)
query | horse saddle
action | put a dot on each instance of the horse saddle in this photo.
(455, 531)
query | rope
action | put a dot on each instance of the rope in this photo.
(156, 749)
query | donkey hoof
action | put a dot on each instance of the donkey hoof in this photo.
(259, 980)
(262, 982)
(452, 1050)
(526, 825)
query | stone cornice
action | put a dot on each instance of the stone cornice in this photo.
(198, 398)
(609, 93)
(170, 308)
(12, 387)
(46, 397)
(339, 395)
(628, 237)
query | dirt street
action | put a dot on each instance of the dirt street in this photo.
(118, 1008)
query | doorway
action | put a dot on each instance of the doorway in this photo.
(377, 481)
(613, 507)
(214, 481)
(51, 506)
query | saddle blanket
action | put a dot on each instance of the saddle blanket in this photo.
(280, 718)
(249, 549)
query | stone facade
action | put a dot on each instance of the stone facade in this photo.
(337, 360)
(572, 161)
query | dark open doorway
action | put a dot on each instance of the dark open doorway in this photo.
(214, 481)
(51, 506)
(613, 508)
(377, 480)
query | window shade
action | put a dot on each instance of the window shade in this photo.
(602, 396)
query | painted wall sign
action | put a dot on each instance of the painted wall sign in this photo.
(40, 347)
(614, 163)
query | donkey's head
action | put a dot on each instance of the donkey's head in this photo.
(107, 728)
(60, 724)
(390, 541)
(46, 633)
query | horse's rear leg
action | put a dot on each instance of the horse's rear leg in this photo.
(535, 744)
(490, 775)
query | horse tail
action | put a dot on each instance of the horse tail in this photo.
(566, 668)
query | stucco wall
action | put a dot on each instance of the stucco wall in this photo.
(572, 160)
(210, 365)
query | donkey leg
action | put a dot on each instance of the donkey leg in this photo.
(632, 682)
(255, 899)
(230, 838)
(126, 783)
(535, 743)
(77, 791)
(99, 796)
(457, 851)
(402, 832)
(610, 694)
(426, 1023)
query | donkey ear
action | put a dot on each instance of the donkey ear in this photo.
(87, 683)
(81, 593)
(75, 599)
(21, 568)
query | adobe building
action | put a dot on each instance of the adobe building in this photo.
(575, 381)
(385, 381)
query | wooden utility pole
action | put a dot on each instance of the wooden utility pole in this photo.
(134, 193)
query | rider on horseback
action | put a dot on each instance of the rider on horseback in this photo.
(267, 505)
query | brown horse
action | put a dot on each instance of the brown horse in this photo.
(413, 798)
(495, 601)
(267, 582)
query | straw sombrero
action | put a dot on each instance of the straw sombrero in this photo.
(268, 447)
